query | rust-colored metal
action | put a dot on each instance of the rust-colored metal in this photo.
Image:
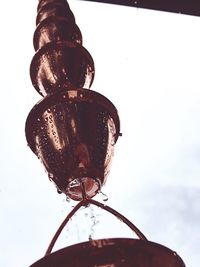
(86, 202)
(73, 130)
(115, 252)
(73, 133)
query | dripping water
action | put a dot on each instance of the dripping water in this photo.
(77, 228)
(59, 191)
(67, 199)
(94, 223)
(103, 196)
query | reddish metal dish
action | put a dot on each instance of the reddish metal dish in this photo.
(116, 252)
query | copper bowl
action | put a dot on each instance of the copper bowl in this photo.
(115, 252)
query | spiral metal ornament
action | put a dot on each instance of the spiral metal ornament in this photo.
(72, 130)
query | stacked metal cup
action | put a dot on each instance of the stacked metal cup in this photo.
(72, 130)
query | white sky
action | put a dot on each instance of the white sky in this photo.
(147, 64)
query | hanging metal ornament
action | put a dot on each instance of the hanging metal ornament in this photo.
(73, 131)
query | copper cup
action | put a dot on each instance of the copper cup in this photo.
(59, 65)
(74, 133)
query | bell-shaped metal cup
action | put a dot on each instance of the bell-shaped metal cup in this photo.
(61, 64)
(74, 133)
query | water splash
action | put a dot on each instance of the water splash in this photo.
(77, 227)
(94, 223)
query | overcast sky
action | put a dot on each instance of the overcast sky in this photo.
(147, 64)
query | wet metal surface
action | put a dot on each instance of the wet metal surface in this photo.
(59, 65)
(71, 130)
(73, 134)
(118, 252)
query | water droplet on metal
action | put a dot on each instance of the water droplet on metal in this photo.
(59, 191)
(103, 196)
(50, 175)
